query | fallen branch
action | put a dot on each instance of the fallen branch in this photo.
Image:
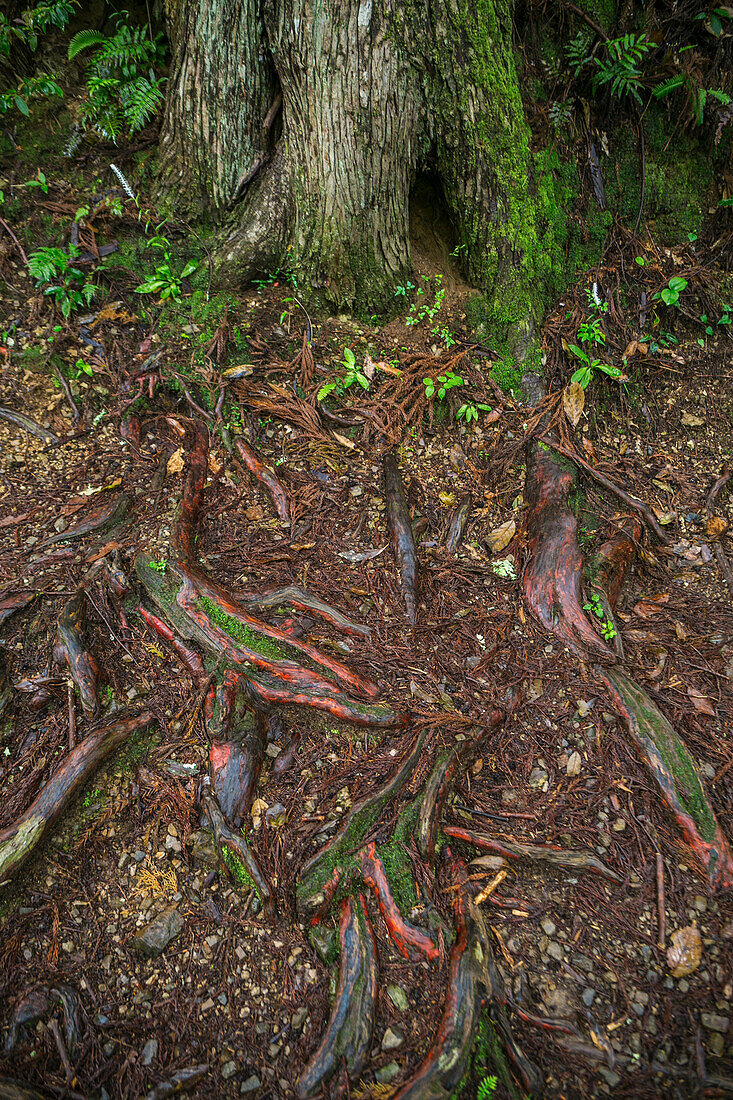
(544, 853)
(403, 540)
(457, 526)
(19, 841)
(27, 424)
(100, 518)
(348, 1034)
(266, 477)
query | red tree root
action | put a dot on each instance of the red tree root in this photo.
(409, 940)
(69, 650)
(348, 1035)
(403, 540)
(189, 658)
(473, 979)
(440, 783)
(357, 825)
(19, 840)
(673, 769)
(13, 602)
(99, 518)
(236, 752)
(304, 601)
(511, 849)
(614, 559)
(197, 466)
(266, 477)
(224, 838)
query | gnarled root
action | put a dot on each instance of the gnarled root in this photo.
(473, 979)
(20, 840)
(671, 766)
(398, 515)
(409, 940)
(197, 466)
(69, 650)
(348, 1035)
(241, 864)
(444, 774)
(510, 849)
(12, 602)
(189, 658)
(264, 474)
(237, 749)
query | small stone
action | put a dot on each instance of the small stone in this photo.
(548, 927)
(150, 1051)
(387, 1073)
(700, 903)
(228, 1070)
(715, 1023)
(508, 796)
(154, 939)
(537, 778)
(393, 1038)
(589, 996)
(298, 1018)
(398, 997)
(609, 1076)
(716, 1044)
(619, 825)
(203, 848)
(250, 1085)
(555, 951)
(574, 764)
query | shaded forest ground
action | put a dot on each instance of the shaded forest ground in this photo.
(233, 991)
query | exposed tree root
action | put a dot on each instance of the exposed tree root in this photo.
(12, 602)
(457, 526)
(348, 1034)
(510, 849)
(28, 425)
(102, 517)
(20, 840)
(189, 658)
(442, 778)
(304, 601)
(264, 474)
(237, 856)
(184, 531)
(398, 515)
(473, 980)
(236, 751)
(409, 940)
(69, 650)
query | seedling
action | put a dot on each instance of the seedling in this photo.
(471, 411)
(584, 374)
(441, 384)
(352, 374)
(670, 294)
(595, 606)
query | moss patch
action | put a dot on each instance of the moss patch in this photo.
(241, 633)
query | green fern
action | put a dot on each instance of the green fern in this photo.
(83, 40)
(577, 52)
(621, 67)
(487, 1088)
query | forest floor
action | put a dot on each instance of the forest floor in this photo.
(246, 998)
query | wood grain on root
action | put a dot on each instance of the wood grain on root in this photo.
(259, 470)
(348, 1035)
(225, 837)
(71, 651)
(183, 536)
(409, 940)
(236, 753)
(398, 515)
(12, 602)
(21, 839)
(543, 853)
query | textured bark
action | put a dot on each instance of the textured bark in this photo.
(372, 94)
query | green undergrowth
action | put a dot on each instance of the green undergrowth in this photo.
(396, 860)
(238, 871)
(487, 1060)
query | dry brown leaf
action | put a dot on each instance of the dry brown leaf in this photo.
(645, 609)
(175, 462)
(701, 704)
(500, 537)
(573, 402)
(689, 420)
(685, 952)
(715, 527)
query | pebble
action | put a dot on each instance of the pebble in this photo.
(154, 939)
(387, 1073)
(715, 1023)
(150, 1051)
(555, 951)
(250, 1085)
(548, 927)
(228, 1070)
(393, 1038)
(537, 778)
(589, 996)
(398, 997)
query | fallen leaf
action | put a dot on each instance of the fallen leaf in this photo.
(665, 518)
(574, 764)
(215, 464)
(645, 609)
(715, 527)
(573, 402)
(689, 420)
(356, 556)
(387, 368)
(501, 536)
(701, 704)
(343, 440)
(685, 952)
(369, 367)
(175, 462)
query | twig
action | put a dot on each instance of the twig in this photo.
(53, 1027)
(72, 717)
(661, 906)
(65, 387)
(633, 502)
(15, 240)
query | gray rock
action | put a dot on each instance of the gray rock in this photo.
(228, 1070)
(398, 997)
(715, 1023)
(548, 927)
(298, 1018)
(555, 951)
(537, 778)
(589, 996)
(393, 1038)
(387, 1073)
(716, 1044)
(250, 1085)
(203, 848)
(154, 939)
(150, 1051)
(609, 1076)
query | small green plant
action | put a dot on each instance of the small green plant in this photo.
(159, 566)
(584, 375)
(504, 567)
(123, 91)
(27, 30)
(470, 412)
(621, 67)
(82, 367)
(441, 384)
(590, 332)
(165, 282)
(352, 374)
(426, 310)
(595, 606)
(578, 53)
(487, 1088)
(53, 268)
(670, 294)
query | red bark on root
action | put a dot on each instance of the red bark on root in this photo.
(266, 477)
(13, 602)
(409, 940)
(189, 658)
(614, 559)
(269, 692)
(19, 840)
(98, 518)
(304, 601)
(184, 531)
(398, 515)
(225, 837)
(576, 861)
(440, 783)
(348, 1034)
(236, 752)
(69, 650)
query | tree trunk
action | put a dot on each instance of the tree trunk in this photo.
(372, 94)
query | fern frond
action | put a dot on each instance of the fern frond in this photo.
(668, 86)
(83, 40)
